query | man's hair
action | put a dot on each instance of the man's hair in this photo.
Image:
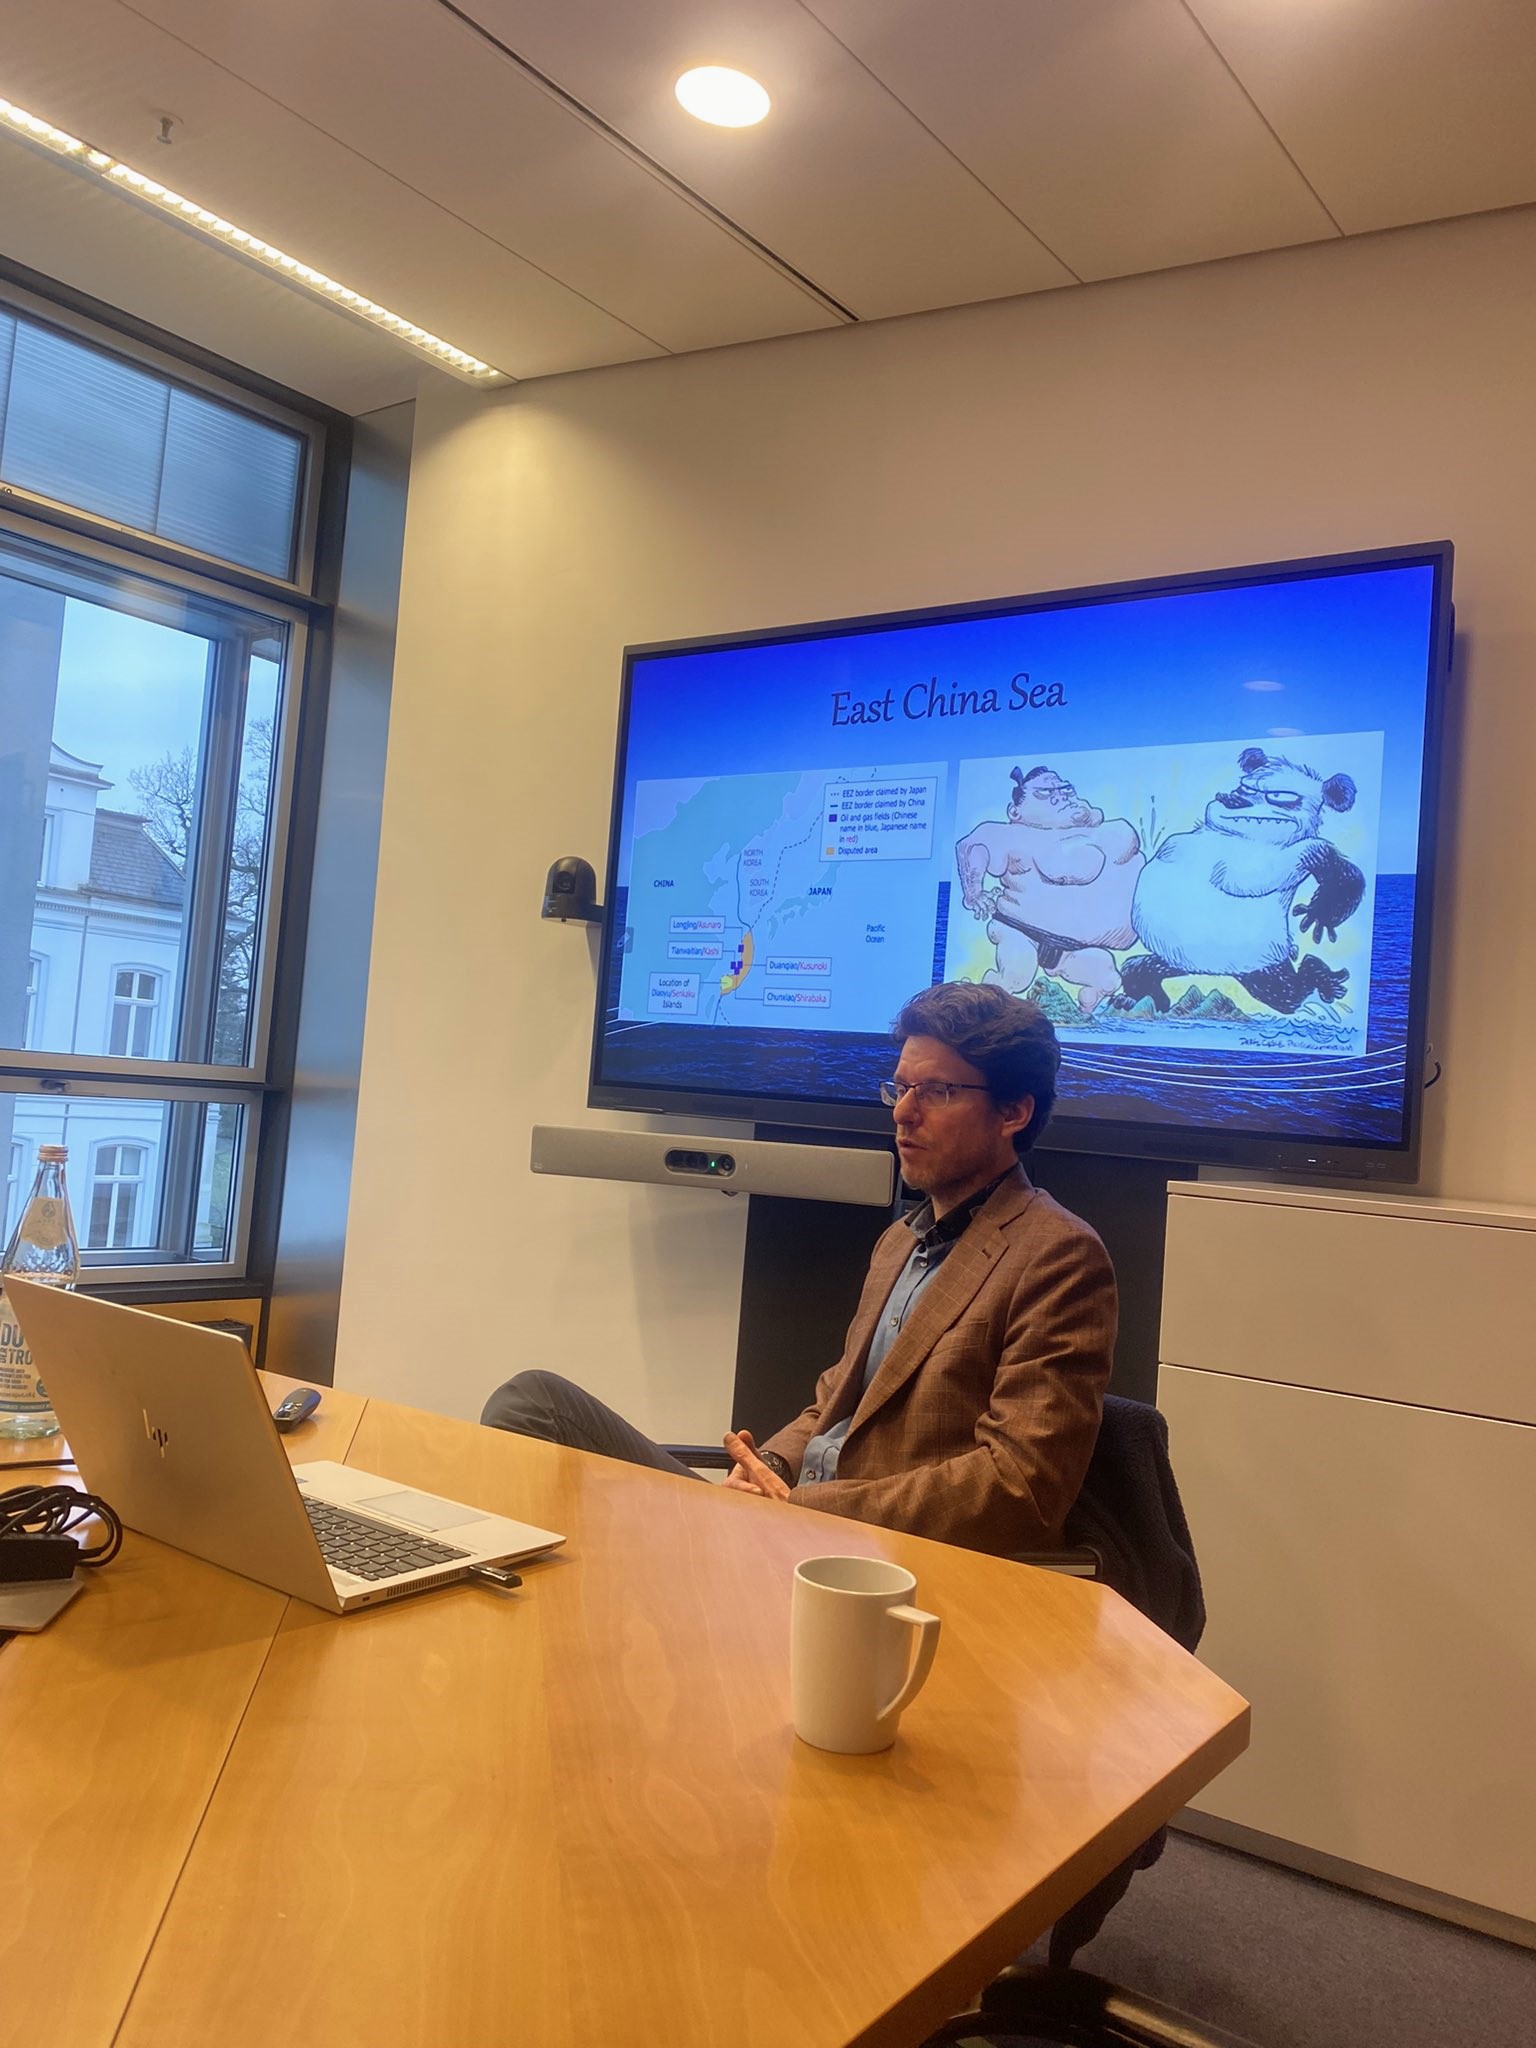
(1011, 1043)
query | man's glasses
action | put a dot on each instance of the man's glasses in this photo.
(930, 1094)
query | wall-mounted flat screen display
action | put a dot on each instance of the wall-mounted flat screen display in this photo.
(1191, 819)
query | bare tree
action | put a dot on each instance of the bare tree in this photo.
(167, 790)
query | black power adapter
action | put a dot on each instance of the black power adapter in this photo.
(35, 1539)
(27, 1558)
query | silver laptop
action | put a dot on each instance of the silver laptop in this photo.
(169, 1423)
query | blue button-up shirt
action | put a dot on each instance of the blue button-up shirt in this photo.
(935, 1242)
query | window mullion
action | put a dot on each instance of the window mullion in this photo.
(213, 839)
(179, 1177)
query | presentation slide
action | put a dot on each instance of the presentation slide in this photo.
(1185, 824)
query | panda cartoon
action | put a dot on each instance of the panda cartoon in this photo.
(1217, 899)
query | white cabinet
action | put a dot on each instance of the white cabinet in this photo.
(1351, 1394)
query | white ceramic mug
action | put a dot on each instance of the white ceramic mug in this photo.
(858, 1653)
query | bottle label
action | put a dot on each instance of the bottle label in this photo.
(21, 1391)
(45, 1221)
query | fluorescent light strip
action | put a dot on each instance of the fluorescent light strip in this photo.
(289, 268)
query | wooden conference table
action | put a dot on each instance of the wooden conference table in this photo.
(575, 1814)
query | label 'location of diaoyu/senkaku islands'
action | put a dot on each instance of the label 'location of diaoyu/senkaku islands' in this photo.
(861, 821)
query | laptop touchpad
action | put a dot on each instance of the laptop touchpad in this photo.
(422, 1510)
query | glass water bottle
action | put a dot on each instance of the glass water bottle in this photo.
(43, 1247)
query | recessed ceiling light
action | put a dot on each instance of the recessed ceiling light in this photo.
(96, 163)
(724, 98)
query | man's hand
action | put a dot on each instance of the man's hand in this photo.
(749, 1474)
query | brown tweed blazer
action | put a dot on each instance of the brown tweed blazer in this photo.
(978, 1426)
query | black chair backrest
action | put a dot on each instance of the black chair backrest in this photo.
(1130, 1514)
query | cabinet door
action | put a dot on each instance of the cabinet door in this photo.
(1370, 1571)
(1398, 1307)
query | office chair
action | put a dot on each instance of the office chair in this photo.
(1128, 1530)
(1034, 2006)
(702, 1457)
(1127, 1526)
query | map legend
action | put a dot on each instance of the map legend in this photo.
(880, 820)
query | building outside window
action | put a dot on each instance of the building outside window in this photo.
(156, 533)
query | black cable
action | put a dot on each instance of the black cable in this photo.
(56, 1511)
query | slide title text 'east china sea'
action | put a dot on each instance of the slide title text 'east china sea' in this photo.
(932, 700)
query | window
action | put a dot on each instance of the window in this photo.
(85, 426)
(147, 726)
(35, 971)
(149, 714)
(151, 722)
(135, 1001)
(154, 1180)
(117, 1182)
(14, 1191)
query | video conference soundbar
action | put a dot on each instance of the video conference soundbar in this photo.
(734, 1166)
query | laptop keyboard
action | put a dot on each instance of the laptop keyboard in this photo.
(369, 1549)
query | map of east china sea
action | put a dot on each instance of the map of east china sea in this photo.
(782, 900)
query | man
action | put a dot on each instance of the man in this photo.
(966, 1402)
(1065, 879)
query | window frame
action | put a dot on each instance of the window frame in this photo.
(16, 298)
(37, 990)
(15, 1169)
(284, 761)
(302, 604)
(109, 1268)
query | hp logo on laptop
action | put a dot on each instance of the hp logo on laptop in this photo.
(154, 1432)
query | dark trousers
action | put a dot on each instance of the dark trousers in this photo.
(544, 1405)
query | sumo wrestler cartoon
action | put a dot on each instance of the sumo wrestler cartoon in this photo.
(1064, 881)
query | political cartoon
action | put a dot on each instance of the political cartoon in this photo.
(1217, 893)
(1056, 881)
(1219, 898)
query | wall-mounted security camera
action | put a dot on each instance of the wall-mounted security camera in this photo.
(570, 892)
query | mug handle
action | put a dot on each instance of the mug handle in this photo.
(927, 1626)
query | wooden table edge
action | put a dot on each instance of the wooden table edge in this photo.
(954, 1986)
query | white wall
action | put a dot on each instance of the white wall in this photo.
(1339, 397)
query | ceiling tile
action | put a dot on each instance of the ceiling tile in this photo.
(1397, 110)
(411, 88)
(918, 155)
(106, 74)
(840, 180)
(69, 228)
(1110, 126)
